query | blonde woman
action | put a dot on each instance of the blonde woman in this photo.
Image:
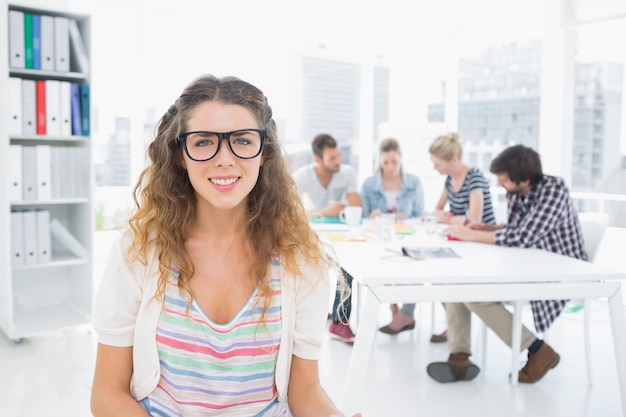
(466, 190)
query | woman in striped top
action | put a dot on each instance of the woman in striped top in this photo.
(214, 301)
(466, 189)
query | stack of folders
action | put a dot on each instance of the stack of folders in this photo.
(32, 233)
(42, 42)
(45, 172)
(48, 107)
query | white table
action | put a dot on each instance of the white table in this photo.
(482, 273)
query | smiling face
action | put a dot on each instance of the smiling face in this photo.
(224, 181)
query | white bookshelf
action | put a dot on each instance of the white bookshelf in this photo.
(56, 293)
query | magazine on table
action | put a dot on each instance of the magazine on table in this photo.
(428, 252)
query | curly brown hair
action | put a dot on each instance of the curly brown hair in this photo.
(166, 202)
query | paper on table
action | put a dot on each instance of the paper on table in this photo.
(425, 252)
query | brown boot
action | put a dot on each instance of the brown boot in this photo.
(539, 363)
(457, 368)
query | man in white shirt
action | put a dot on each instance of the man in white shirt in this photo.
(326, 187)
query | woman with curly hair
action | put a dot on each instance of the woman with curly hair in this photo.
(214, 301)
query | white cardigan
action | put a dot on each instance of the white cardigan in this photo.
(126, 313)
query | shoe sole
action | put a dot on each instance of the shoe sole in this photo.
(445, 372)
(389, 330)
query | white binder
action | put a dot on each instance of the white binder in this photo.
(29, 107)
(30, 237)
(79, 59)
(44, 173)
(47, 43)
(66, 108)
(15, 173)
(61, 44)
(17, 238)
(53, 107)
(44, 246)
(67, 240)
(15, 106)
(29, 173)
(16, 39)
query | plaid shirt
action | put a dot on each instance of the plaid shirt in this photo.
(547, 220)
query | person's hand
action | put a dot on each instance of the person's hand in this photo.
(459, 231)
(400, 216)
(443, 216)
(333, 209)
(375, 212)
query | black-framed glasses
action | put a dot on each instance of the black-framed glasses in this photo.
(201, 145)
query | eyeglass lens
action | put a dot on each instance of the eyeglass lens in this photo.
(204, 145)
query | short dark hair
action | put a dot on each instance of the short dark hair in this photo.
(521, 163)
(321, 142)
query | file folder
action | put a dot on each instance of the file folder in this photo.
(79, 60)
(30, 237)
(47, 43)
(77, 120)
(36, 41)
(85, 107)
(53, 107)
(29, 107)
(15, 106)
(66, 108)
(44, 173)
(29, 173)
(15, 173)
(17, 238)
(44, 246)
(28, 40)
(40, 106)
(16, 39)
(61, 44)
(67, 240)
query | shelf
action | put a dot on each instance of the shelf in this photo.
(48, 178)
(43, 75)
(33, 322)
(41, 203)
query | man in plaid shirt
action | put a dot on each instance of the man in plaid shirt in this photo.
(540, 215)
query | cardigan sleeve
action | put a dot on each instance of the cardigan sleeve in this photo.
(117, 300)
(312, 301)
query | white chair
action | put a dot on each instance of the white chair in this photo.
(593, 227)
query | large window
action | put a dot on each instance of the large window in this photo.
(478, 70)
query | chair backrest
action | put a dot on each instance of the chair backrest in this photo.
(594, 225)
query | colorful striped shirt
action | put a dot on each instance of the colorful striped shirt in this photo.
(210, 369)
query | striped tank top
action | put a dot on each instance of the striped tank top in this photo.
(459, 201)
(210, 369)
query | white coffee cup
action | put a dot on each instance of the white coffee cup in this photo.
(351, 215)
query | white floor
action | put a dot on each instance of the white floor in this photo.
(51, 375)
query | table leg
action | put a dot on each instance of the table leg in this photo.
(361, 351)
(516, 339)
(618, 324)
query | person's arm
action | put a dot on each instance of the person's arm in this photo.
(442, 215)
(542, 218)
(110, 392)
(306, 396)
(476, 207)
(353, 199)
(463, 232)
